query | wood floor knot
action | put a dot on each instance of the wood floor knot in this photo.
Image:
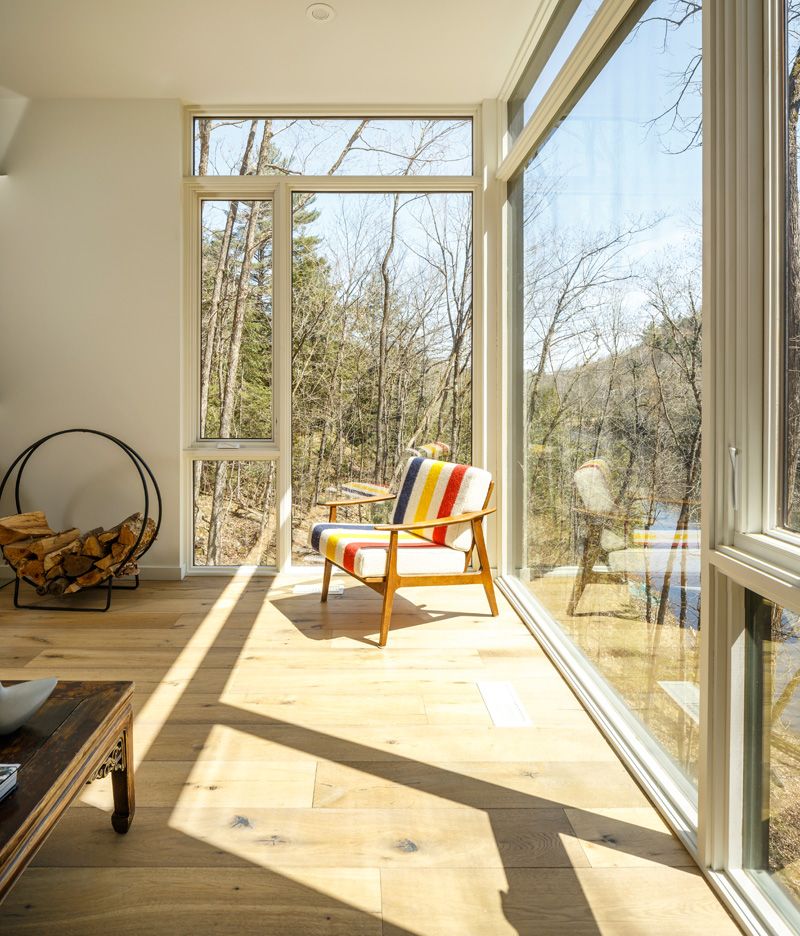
(407, 845)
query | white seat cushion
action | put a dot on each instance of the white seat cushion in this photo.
(362, 550)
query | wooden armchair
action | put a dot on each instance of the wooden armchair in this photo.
(436, 527)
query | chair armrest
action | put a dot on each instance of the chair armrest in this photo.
(356, 501)
(440, 521)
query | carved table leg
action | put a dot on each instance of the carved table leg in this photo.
(122, 785)
(119, 763)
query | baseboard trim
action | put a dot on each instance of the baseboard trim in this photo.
(148, 573)
(162, 573)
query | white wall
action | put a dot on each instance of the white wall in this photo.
(12, 109)
(90, 299)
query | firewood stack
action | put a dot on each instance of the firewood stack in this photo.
(64, 563)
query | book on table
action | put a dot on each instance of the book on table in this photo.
(8, 779)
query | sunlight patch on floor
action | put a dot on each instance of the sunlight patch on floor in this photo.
(265, 821)
(155, 713)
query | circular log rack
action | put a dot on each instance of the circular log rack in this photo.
(147, 478)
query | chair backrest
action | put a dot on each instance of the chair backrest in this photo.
(593, 483)
(431, 489)
(440, 451)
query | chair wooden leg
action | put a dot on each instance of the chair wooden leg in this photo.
(326, 580)
(486, 572)
(389, 588)
(386, 615)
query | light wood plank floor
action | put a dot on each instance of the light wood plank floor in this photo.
(295, 780)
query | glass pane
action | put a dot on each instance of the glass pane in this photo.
(332, 146)
(568, 25)
(236, 320)
(607, 260)
(792, 311)
(381, 342)
(234, 513)
(772, 773)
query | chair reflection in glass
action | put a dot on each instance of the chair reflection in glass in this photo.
(620, 542)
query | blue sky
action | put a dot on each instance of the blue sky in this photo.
(609, 168)
(609, 164)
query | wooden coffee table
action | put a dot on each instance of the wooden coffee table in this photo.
(83, 732)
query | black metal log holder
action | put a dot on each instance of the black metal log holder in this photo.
(145, 475)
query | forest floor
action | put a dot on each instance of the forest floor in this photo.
(241, 543)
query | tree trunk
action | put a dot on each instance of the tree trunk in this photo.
(204, 132)
(383, 339)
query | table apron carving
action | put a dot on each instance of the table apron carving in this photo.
(114, 761)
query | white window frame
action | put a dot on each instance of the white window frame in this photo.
(751, 532)
(280, 189)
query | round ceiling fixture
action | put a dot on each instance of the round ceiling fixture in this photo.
(321, 12)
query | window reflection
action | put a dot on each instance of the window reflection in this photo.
(608, 261)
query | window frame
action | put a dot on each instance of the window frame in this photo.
(753, 531)
(558, 18)
(280, 190)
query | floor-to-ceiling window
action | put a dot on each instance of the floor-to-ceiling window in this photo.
(330, 319)
(608, 375)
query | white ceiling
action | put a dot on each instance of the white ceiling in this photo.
(265, 51)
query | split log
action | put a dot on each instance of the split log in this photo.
(128, 535)
(147, 536)
(77, 565)
(91, 545)
(40, 548)
(94, 577)
(119, 551)
(19, 552)
(57, 556)
(58, 586)
(129, 530)
(54, 572)
(133, 522)
(107, 562)
(32, 569)
(22, 526)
